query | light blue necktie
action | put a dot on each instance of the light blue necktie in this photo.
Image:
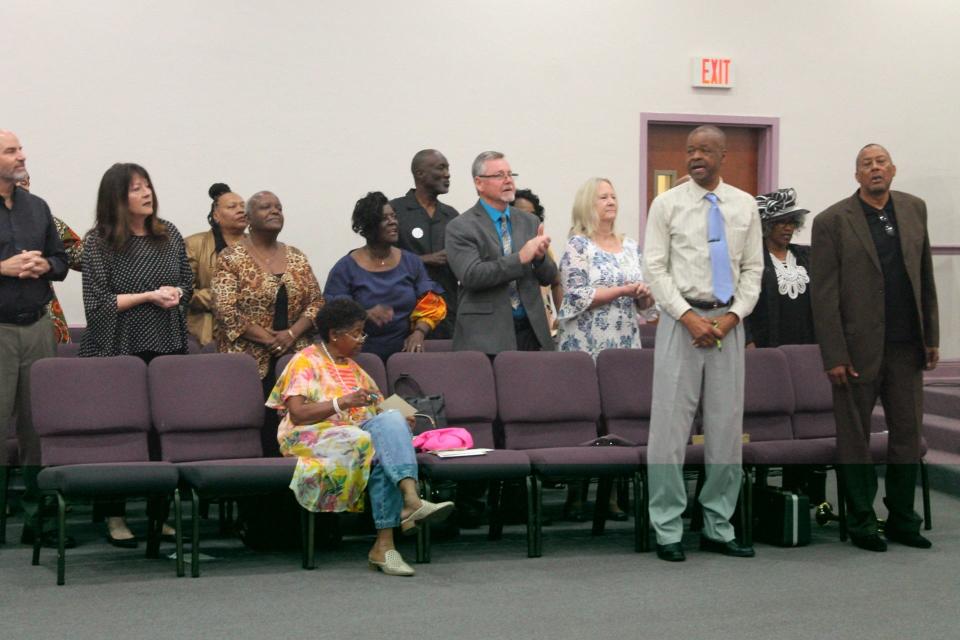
(719, 254)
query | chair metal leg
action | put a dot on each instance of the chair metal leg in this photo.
(309, 540)
(154, 525)
(534, 506)
(925, 492)
(37, 542)
(841, 504)
(746, 508)
(496, 510)
(638, 520)
(424, 542)
(178, 535)
(61, 539)
(195, 534)
(4, 484)
(645, 510)
(602, 505)
(222, 516)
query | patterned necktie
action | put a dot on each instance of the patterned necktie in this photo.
(719, 254)
(507, 245)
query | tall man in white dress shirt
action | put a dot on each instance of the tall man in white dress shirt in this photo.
(703, 260)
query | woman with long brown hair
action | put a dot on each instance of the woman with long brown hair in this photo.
(136, 284)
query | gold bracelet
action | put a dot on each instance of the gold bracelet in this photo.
(291, 334)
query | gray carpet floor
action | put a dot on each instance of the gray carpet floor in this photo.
(582, 587)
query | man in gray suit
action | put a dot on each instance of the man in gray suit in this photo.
(875, 314)
(499, 255)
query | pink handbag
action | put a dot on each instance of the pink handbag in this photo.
(443, 439)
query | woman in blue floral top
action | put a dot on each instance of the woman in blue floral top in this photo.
(603, 293)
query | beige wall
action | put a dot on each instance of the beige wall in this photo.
(322, 101)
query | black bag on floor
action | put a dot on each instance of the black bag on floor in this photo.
(782, 518)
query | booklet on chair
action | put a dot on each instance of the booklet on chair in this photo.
(460, 453)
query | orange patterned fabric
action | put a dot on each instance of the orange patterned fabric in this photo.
(73, 245)
(430, 308)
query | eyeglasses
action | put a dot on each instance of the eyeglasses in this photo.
(888, 227)
(501, 176)
(361, 338)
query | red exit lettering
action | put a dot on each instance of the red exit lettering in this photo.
(715, 71)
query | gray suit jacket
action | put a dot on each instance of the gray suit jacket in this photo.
(484, 315)
(847, 282)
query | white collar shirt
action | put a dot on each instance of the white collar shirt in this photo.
(676, 255)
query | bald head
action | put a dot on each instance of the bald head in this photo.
(713, 132)
(873, 146)
(431, 172)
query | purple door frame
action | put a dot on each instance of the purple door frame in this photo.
(768, 162)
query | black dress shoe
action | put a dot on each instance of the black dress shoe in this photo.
(128, 543)
(672, 552)
(730, 548)
(872, 542)
(617, 516)
(914, 540)
(48, 539)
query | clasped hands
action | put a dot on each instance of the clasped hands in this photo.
(165, 297)
(708, 332)
(640, 293)
(535, 248)
(26, 265)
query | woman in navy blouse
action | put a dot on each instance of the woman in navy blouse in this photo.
(403, 304)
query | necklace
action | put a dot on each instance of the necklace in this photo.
(259, 255)
(330, 356)
(375, 258)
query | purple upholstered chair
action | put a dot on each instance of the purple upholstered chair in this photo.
(93, 418)
(208, 412)
(68, 350)
(437, 346)
(626, 394)
(549, 405)
(648, 335)
(76, 332)
(465, 379)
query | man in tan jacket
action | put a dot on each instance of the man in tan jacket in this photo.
(875, 313)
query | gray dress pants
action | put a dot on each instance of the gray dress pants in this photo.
(682, 375)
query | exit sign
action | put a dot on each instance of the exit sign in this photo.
(713, 72)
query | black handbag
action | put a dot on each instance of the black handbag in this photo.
(431, 409)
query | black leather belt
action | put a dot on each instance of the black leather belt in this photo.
(708, 304)
(22, 319)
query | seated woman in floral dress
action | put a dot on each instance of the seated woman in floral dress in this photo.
(344, 443)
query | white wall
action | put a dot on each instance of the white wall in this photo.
(323, 101)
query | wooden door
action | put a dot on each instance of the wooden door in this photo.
(667, 157)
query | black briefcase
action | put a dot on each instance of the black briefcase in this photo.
(782, 518)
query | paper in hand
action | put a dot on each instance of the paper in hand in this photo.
(396, 402)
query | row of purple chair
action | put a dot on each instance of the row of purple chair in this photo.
(537, 408)
(94, 417)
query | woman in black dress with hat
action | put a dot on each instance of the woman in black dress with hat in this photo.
(783, 314)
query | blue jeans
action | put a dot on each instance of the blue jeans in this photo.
(393, 461)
